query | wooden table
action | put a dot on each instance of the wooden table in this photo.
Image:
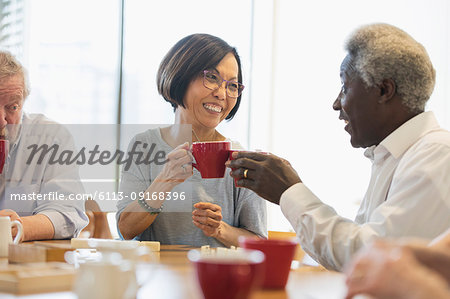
(174, 277)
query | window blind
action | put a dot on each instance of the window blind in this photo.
(12, 26)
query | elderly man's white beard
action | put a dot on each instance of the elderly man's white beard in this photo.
(11, 132)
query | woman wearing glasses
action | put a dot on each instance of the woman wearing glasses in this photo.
(201, 78)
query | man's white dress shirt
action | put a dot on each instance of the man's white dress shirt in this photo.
(408, 196)
(22, 177)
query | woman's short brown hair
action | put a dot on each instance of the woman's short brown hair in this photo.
(185, 62)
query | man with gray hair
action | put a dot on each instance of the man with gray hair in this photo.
(28, 189)
(387, 78)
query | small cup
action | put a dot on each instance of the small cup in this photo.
(5, 234)
(106, 280)
(112, 270)
(279, 255)
(230, 276)
(210, 158)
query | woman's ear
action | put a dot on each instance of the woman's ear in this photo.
(388, 88)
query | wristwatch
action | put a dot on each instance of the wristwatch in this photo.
(148, 208)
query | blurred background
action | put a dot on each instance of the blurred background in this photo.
(95, 62)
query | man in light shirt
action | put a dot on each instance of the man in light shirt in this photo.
(31, 191)
(387, 78)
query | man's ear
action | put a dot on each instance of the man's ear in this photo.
(388, 88)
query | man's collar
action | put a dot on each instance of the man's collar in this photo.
(404, 136)
(368, 153)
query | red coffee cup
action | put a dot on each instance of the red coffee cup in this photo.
(232, 276)
(231, 158)
(4, 150)
(210, 158)
(279, 255)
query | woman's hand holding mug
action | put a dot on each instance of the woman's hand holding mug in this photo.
(178, 166)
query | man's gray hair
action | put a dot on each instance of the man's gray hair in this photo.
(382, 51)
(10, 66)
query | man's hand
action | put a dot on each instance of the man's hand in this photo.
(13, 216)
(387, 270)
(266, 174)
(35, 227)
(442, 242)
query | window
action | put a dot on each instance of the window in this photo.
(12, 26)
(72, 58)
(292, 113)
(290, 50)
(153, 27)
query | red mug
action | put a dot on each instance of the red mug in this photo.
(279, 255)
(4, 150)
(228, 277)
(210, 158)
(231, 158)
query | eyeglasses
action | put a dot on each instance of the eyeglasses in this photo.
(213, 81)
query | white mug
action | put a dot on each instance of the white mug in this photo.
(5, 234)
(106, 280)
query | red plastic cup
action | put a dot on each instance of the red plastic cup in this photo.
(228, 277)
(279, 255)
(4, 150)
(210, 158)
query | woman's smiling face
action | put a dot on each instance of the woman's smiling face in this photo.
(206, 107)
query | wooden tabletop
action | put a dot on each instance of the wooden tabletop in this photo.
(172, 276)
